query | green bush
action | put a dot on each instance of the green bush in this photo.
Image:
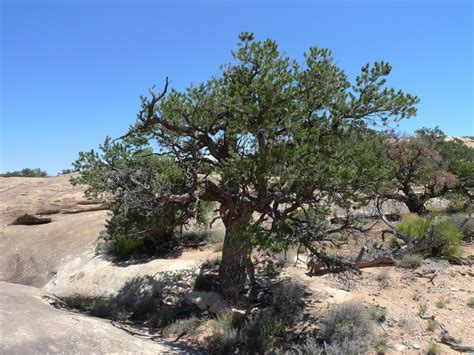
(441, 303)
(410, 261)
(413, 226)
(227, 336)
(433, 349)
(439, 232)
(381, 345)
(129, 177)
(231, 319)
(377, 313)
(258, 334)
(432, 324)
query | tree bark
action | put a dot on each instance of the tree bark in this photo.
(236, 266)
(415, 204)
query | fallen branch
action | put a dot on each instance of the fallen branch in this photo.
(87, 209)
(457, 260)
(427, 274)
(452, 342)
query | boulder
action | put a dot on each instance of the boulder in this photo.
(96, 277)
(212, 301)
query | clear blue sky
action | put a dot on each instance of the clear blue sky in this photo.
(72, 71)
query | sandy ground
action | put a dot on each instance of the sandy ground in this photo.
(404, 292)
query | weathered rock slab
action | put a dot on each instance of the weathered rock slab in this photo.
(30, 325)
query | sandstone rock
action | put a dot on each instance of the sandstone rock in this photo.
(205, 300)
(32, 254)
(90, 276)
(399, 347)
(29, 325)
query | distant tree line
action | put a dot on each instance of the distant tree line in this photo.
(27, 172)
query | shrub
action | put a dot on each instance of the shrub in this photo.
(422, 309)
(433, 349)
(121, 246)
(309, 347)
(129, 177)
(258, 333)
(223, 343)
(441, 303)
(381, 345)
(145, 307)
(470, 302)
(465, 223)
(345, 347)
(377, 313)
(413, 225)
(383, 279)
(231, 319)
(225, 339)
(100, 307)
(347, 321)
(432, 324)
(393, 243)
(183, 326)
(164, 316)
(439, 232)
(410, 261)
(287, 300)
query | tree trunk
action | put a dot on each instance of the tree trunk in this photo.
(415, 205)
(236, 263)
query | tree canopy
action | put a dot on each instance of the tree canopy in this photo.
(428, 165)
(278, 145)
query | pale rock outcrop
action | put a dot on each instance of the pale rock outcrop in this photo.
(32, 254)
(30, 325)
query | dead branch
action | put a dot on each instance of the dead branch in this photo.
(452, 342)
(457, 260)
